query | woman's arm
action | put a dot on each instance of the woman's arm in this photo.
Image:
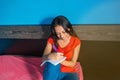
(48, 55)
(47, 51)
(73, 61)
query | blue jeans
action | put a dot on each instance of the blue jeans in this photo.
(52, 72)
(68, 76)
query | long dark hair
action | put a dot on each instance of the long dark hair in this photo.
(65, 23)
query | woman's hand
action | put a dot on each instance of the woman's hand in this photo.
(55, 56)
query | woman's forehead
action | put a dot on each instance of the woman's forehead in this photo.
(58, 27)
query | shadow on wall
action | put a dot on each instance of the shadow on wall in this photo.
(47, 20)
(46, 27)
(4, 44)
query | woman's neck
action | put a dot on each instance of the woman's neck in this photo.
(64, 43)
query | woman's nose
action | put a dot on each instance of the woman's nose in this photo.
(61, 35)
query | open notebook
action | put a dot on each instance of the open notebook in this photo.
(54, 62)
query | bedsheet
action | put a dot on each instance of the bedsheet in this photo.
(24, 68)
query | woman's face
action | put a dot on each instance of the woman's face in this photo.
(61, 33)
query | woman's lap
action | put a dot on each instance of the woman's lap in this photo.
(68, 76)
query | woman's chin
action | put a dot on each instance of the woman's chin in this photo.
(64, 39)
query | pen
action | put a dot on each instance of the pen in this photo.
(55, 48)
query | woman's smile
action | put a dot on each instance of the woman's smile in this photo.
(61, 33)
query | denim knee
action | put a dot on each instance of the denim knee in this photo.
(51, 71)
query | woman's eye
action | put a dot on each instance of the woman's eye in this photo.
(63, 32)
(57, 33)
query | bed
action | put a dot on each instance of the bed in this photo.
(22, 58)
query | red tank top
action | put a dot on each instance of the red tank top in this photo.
(67, 51)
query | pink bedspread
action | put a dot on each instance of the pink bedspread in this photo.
(24, 68)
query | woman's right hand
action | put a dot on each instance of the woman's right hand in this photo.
(55, 56)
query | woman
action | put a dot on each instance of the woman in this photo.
(68, 44)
